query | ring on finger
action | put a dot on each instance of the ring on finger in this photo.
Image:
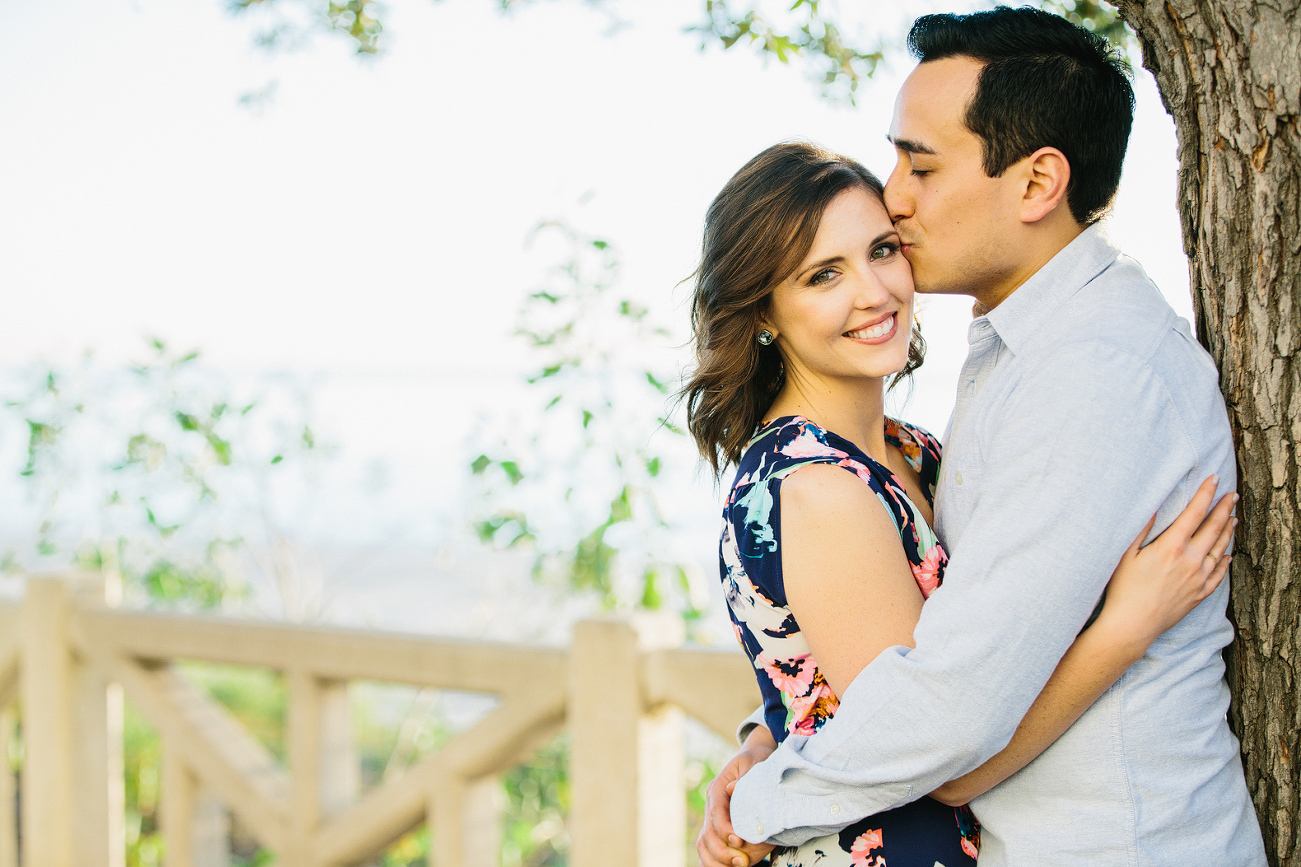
(1214, 560)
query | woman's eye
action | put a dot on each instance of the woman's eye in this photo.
(884, 251)
(821, 277)
(921, 172)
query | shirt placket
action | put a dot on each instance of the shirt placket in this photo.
(982, 358)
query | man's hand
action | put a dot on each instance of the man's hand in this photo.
(718, 844)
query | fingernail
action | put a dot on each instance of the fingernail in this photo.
(734, 840)
(739, 862)
(1215, 479)
(1235, 497)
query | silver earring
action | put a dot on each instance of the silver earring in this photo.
(764, 337)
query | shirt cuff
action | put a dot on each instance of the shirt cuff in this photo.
(779, 804)
(752, 722)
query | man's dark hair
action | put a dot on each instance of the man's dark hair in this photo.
(1046, 83)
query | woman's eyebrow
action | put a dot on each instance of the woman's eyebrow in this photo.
(830, 260)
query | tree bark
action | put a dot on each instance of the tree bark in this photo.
(1229, 72)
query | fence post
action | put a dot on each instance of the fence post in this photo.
(626, 757)
(303, 743)
(176, 810)
(8, 803)
(100, 794)
(466, 826)
(340, 769)
(46, 690)
(322, 762)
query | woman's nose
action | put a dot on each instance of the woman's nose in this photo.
(870, 291)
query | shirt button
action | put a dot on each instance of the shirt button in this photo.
(835, 809)
(759, 828)
(957, 477)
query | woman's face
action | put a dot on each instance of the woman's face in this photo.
(846, 311)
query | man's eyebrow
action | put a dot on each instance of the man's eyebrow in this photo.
(909, 146)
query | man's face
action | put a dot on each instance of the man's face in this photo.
(958, 225)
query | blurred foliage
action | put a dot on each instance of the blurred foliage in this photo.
(1098, 16)
(291, 23)
(810, 33)
(803, 31)
(153, 471)
(142, 766)
(537, 802)
(578, 480)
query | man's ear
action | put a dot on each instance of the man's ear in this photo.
(1047, 175)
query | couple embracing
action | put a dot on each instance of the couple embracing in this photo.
(974, 657)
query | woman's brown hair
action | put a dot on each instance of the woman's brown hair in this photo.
(758, 229)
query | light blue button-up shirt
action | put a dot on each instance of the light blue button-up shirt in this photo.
(1084, 406)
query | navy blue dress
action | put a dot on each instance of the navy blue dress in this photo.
(797, 699)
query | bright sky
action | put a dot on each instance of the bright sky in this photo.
(365, 227)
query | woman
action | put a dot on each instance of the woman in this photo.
(802, 313)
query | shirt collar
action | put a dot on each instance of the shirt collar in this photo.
(1038, 300)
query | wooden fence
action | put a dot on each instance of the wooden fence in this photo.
(621, 688)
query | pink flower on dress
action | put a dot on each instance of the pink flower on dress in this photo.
(860, 853)
(792, 675)
(809, 712)
(970, 848)
(930, 570)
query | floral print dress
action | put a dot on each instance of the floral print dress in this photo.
(924, 833)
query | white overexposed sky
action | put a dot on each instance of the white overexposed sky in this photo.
(365, 226)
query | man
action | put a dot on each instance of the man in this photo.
(1084, 405)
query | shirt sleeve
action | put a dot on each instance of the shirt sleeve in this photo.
(749, 724)
(1075, 461)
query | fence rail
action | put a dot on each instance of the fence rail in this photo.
(621, 689)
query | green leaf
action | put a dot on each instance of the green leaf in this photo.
(587, 418)
(653, 467)
(621, 507)
(277, 459)
(220, 449)
(651, 598)
(512, 471)
(187, 421)
(481, 463)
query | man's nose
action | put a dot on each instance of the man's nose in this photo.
(897, 202)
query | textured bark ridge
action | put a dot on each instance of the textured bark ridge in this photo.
(1229, 72)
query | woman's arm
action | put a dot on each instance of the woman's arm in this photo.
(847, 580)
(1151, 590)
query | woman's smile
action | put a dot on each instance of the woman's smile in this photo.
(880, 331)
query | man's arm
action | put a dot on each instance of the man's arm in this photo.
(1150, 591)
(1085, 451)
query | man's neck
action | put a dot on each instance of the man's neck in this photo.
(1041, 249)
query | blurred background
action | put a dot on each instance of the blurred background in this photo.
(373, 314)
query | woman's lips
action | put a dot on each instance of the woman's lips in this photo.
(878, 332)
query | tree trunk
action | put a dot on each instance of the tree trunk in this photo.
(1229, 72)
